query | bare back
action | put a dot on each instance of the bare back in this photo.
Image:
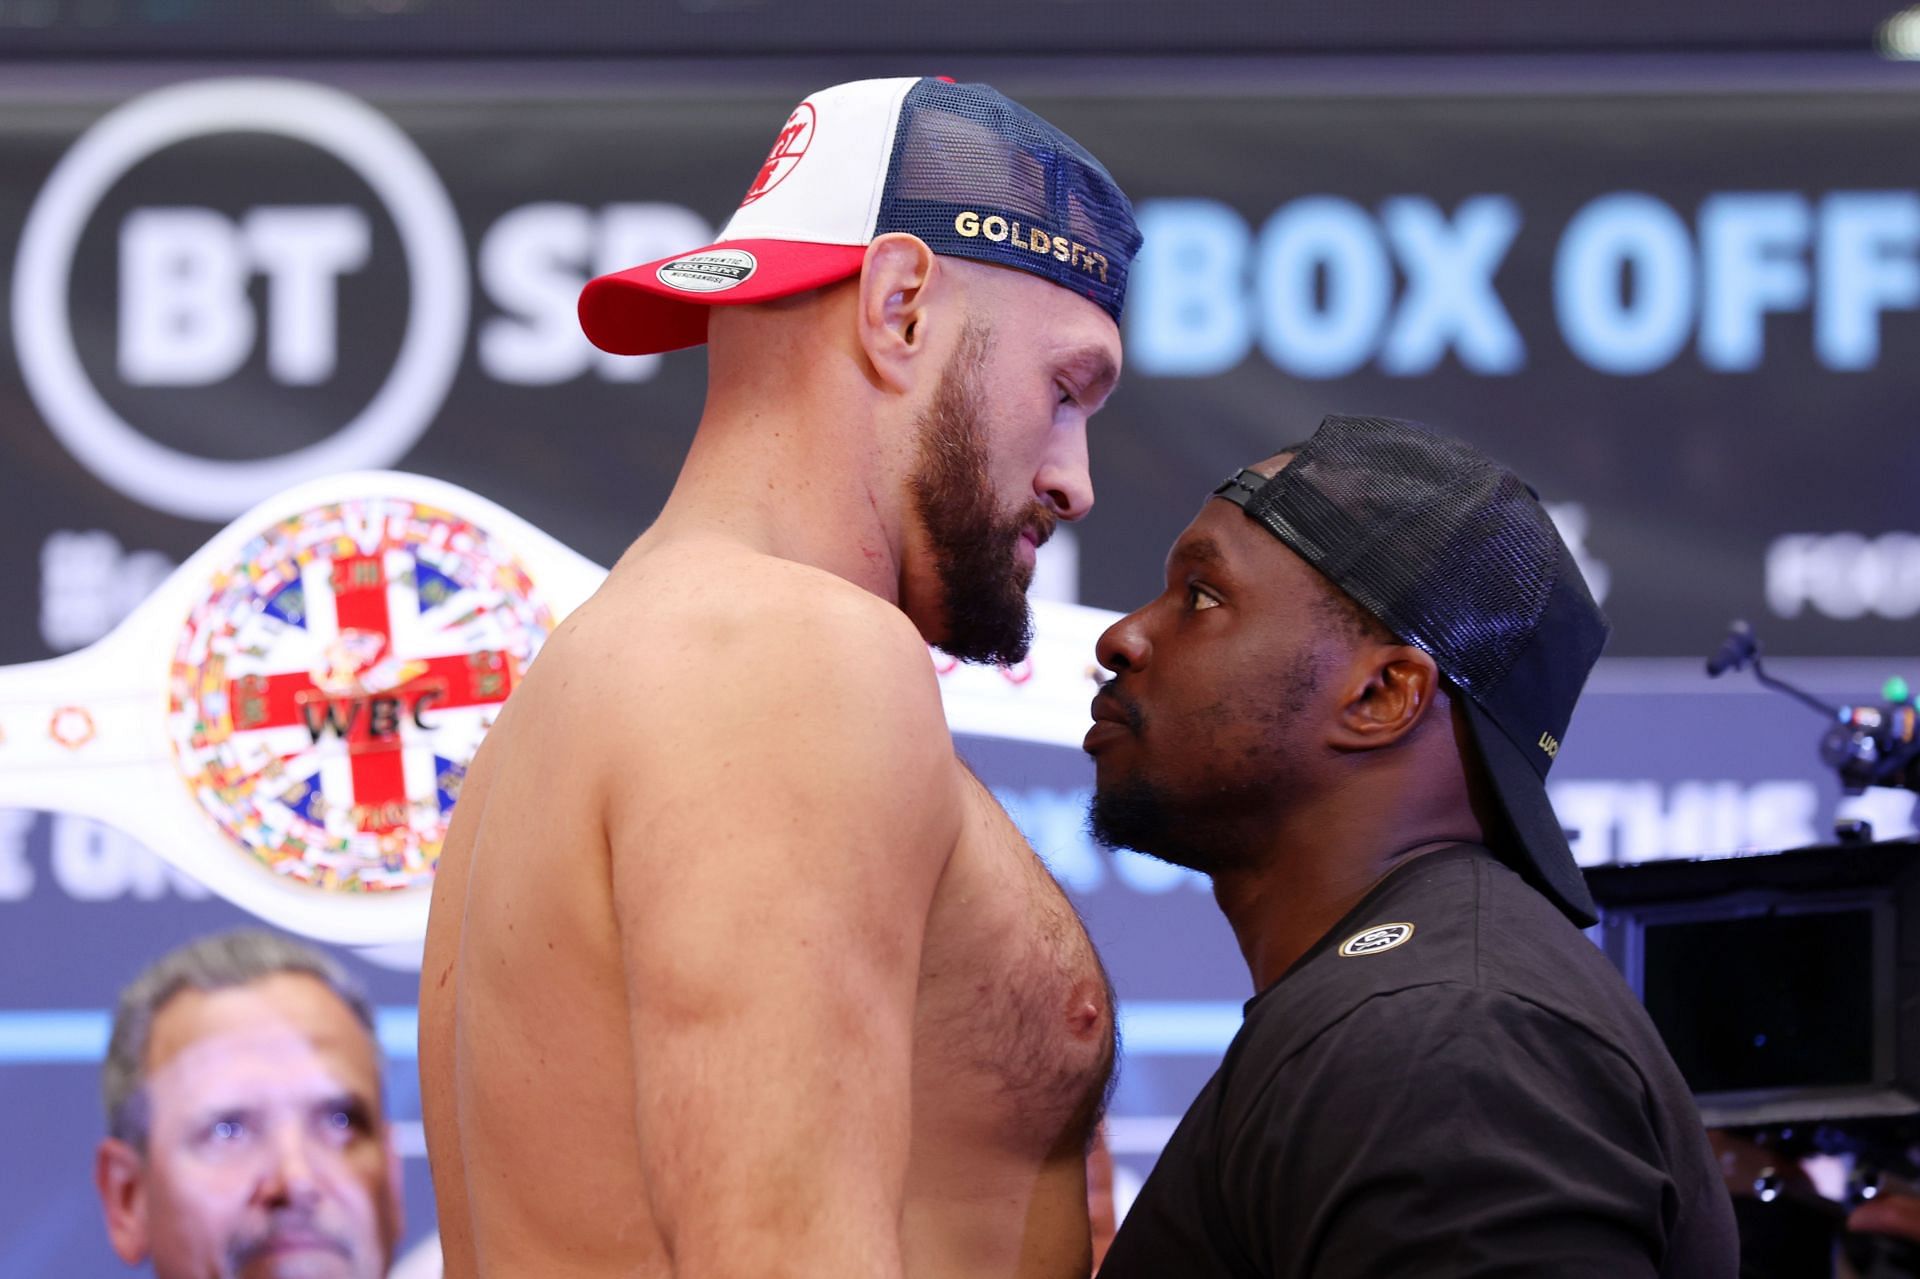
(554, 1130)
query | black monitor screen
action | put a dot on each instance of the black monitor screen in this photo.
(1770, 1001)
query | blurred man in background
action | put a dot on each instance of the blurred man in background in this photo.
(246, 1130)
(1790, 1229)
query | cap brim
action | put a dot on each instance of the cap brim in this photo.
(635, 312)
(1548, 858)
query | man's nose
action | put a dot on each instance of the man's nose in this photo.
(1064, 481)
(1124, 646)
(292, 1175)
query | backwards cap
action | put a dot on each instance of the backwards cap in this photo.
(1456, 556)
(969, 171)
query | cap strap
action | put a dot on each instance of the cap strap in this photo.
(1240, 487)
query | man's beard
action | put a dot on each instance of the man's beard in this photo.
(983, 584)
(1211, 833)
(1138, 815)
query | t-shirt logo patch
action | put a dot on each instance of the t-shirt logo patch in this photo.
(1376, 939)
(709, 271)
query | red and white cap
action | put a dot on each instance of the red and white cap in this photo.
(969, 171)
(805, 222)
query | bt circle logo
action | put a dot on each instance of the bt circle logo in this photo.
(186, 316)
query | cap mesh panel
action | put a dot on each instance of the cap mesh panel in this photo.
(977, 175)
(1448, 550)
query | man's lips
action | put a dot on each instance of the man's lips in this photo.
(290, 1241)
(1040, 529)
(1112, 719)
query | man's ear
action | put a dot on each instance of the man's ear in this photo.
(897, 282)
(119, 1174)
(1391, 689)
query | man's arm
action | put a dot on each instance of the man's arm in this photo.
(780, 807)
(438, 992)
(1451, 1132)
(1896, 1214)
(1101, 1208)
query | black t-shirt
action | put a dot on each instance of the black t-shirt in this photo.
(1453, 1081)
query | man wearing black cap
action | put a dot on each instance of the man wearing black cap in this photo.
(733, 968)
(1343, 708)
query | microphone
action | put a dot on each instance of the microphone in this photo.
(1739, 648)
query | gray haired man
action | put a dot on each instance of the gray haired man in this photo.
(246, 1131)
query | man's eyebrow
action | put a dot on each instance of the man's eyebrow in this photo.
(1203, 551)
(351, 1100)
(1095, 369)
(218, 1111)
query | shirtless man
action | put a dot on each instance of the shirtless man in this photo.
(733, 968)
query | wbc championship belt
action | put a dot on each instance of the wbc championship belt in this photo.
(289, 717)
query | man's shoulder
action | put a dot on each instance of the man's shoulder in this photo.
(758, 693)
(1432, 1056)
(1452, 938)
(713, 593)
(700, 654)
(686, 617)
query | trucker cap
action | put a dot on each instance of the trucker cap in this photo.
(971, 172)
(1455, 555)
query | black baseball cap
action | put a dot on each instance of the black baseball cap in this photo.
(1455, 555)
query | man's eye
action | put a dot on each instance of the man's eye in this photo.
(1198, 599)
(1066, 395)
(226, 1131)
(343, 1121)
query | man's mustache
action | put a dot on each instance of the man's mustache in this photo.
(286, 1231)
(1041, 524)
(1110, 699)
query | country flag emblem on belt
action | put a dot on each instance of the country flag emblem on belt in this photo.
(330, 689)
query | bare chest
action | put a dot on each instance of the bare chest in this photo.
(1015, 1023)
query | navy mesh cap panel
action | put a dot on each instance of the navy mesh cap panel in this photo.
(976, 175)
(1448, 550)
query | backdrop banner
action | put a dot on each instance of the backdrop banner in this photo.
(1691, 322)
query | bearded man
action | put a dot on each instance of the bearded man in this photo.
(1342, 708)
(733, 968)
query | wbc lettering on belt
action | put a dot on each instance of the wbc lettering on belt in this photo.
(1034, 239)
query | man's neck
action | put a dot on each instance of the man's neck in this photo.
(802, 480)
(1315, 867)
